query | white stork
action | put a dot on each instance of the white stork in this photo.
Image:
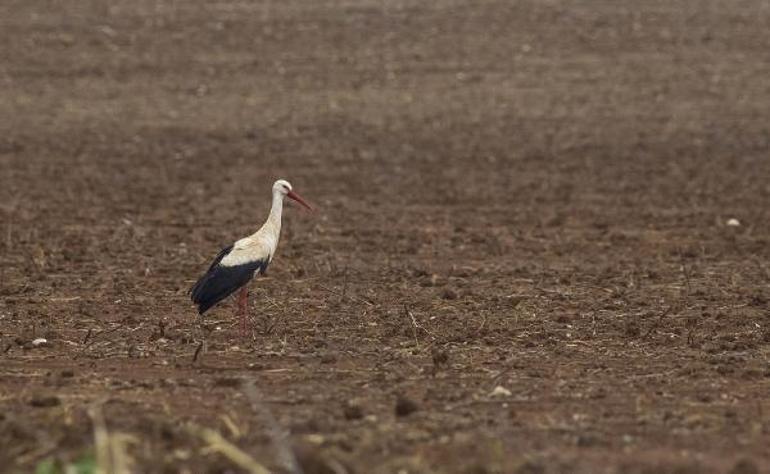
(235, 266)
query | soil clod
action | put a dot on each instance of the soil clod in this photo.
(44, 401)
(405, 406)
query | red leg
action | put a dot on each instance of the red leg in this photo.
(243, 304)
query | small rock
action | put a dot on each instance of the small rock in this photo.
(733, 222)
(500, 391)
(586, 441)
(449, 294)
(40, 342)
(328, 358)
(44, 401)
(67, 373)
(405, 406)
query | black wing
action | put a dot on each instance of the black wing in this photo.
(220, 281)
(222, 254)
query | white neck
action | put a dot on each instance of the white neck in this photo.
(271, 229)
(276, 210)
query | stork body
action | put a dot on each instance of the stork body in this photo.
(237, 264)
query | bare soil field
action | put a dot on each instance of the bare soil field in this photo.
(521, 260)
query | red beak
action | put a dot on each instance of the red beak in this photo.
(296, 197)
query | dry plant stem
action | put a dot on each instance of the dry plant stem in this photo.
(278, 436)
(202, 345)
(92, 339)
(219, 444)
(88, 336)
(360, 300)
(414, 324)
(198, 351)
(101, 440)
(111, 450)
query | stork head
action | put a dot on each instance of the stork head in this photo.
(284, 188)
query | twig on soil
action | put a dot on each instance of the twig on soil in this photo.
(416, 325)
(65, 299)
(481, 326)
(216, 442)
(271, 302)
(578, 342)
(278, 436)
(92, 339)
(201, 329)
(197, 352)
(360, 300)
